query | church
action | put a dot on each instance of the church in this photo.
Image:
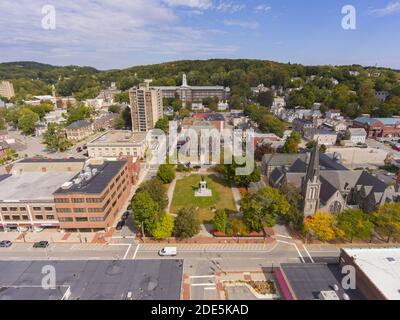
(332, 187)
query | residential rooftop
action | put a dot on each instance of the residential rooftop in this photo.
(79, 124)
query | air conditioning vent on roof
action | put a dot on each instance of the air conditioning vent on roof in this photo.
(67, 185)
(390, 259)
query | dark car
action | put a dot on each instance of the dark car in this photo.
(126, 215)
(120, 225)
(84, 147)
(5, 244)
(79, 149)
(41, 244)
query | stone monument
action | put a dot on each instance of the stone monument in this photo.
(203, 191)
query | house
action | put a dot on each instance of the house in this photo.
(322, 136)
(223, 106)
(79, 130)
(301, 125)
(381, 95)
(333, 114)
(105, 121)
(354, 73)
(356, 135)
(55, 116)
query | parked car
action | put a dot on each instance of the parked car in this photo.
(84, 147)
(120, 225)
(126, 215)
(41, 244)
(5, 244)
(79, 149)
(168, 252)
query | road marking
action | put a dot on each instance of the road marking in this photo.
(201, 277)
(202, 284)
(122, 244)
(137, 249)
(305, 249)
(126, 253)
(282, 236)
(211, 288)
(123, 237)
(297, 249)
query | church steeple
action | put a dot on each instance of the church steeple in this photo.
(313, 166)
(311, 184)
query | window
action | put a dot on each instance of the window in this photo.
(25, 217)
(81, 219)
(93, 200)
(61, 200)
(6, 217)
(96, 219)
(79, 210)
(50, 217)
(64, 210)
(66, 219)
(37, 208)
(92, 210)
(78, 200)
(13, 208)
(4, 209)
(22, 209)
(48, 208)
(16, 217)
(38, 217)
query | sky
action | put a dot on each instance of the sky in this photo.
(109, 34)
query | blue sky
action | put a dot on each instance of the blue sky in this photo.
(121, 33)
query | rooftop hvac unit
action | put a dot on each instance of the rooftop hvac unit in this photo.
(67, 185)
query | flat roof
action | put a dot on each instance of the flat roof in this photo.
(29, 186)
(97, 183)
(119, 137)
(93, 280)
(308, 280)
(381, 266)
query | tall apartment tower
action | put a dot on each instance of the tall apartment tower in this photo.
(7, 89)
(146, 107)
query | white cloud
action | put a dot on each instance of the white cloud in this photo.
(391, 8)
(229, 7)
(263, 8)
(242, 24)
(103, 34)
(198, 4)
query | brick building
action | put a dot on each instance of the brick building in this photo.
(379, 127)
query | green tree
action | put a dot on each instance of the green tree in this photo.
(156, 190)
(265, 98)
(260, 209)
(186, 223)
(162, 124)
(355, 224)
(163, 227)
(295, 215)
(122, 97)
(231, 175)
(220, 220)
(55, 139)
(292, 143)
(145, 211)
(166, 173)
(27, 120)
(79, 113)
(387, 220)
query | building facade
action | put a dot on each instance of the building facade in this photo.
(379, 127)
(146, 107)
(79, 130)
(117, 143)
(196, 94)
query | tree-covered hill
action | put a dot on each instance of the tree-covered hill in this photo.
(31, 78)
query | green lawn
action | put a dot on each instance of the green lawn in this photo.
(222, 197)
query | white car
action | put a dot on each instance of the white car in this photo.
(168, 252)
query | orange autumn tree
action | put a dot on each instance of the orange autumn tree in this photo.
(323, 226)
